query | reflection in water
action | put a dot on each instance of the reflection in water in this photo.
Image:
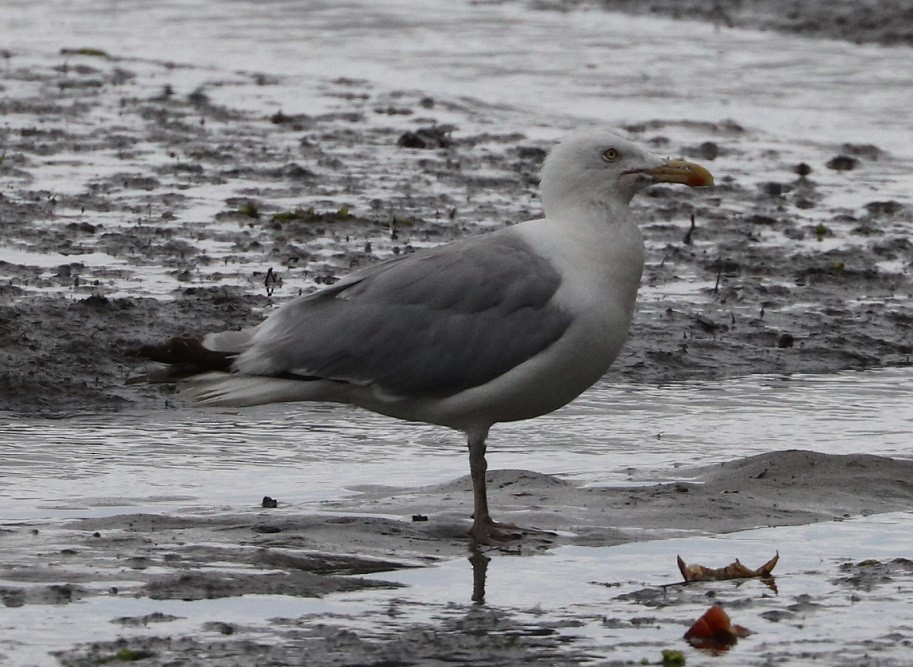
(479, 563)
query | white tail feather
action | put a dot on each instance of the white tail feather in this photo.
(229, 341)
(224, 389)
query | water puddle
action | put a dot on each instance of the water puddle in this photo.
(840, 596)
(305, 453)
(627, 613)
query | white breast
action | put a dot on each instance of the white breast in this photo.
(600, 262)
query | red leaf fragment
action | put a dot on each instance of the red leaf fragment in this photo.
(715, 631)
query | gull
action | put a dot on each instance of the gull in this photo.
(498, 327)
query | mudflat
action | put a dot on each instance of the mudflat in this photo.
(135, 208)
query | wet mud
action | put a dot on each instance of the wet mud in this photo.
(881, 22)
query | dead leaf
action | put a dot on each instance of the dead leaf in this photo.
(715, 631)
(732, 571)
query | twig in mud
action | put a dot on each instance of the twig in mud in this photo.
(271, 281)
(719, 274)
(687, 239)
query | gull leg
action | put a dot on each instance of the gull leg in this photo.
(484, 529)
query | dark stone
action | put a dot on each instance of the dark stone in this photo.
(535, 153)
(426, 138)
(758, 219)
(773, 189)
(785, 340)
(842, 163)
(889, 207)
(707, 151)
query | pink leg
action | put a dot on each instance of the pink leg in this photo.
(484, 529)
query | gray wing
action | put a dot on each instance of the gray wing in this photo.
(430, 324)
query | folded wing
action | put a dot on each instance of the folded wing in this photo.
(432, 323)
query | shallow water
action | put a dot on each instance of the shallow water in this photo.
(575, 583)
(184, 459)
(607, 602)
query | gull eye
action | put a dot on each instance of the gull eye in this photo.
(610, 154)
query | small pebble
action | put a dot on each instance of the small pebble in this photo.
(708, 150)
(842, 163)
(889, 207)
(773, 189)
(435, 136)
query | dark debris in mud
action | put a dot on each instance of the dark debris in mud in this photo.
(868, 575)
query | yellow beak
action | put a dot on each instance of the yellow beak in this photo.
(681, 171)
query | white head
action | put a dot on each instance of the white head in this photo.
(604, 169)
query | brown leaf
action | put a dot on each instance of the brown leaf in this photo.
(732, 571)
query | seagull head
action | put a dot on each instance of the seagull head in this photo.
(606, 170)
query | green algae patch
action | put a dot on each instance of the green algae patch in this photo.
(85, 51)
